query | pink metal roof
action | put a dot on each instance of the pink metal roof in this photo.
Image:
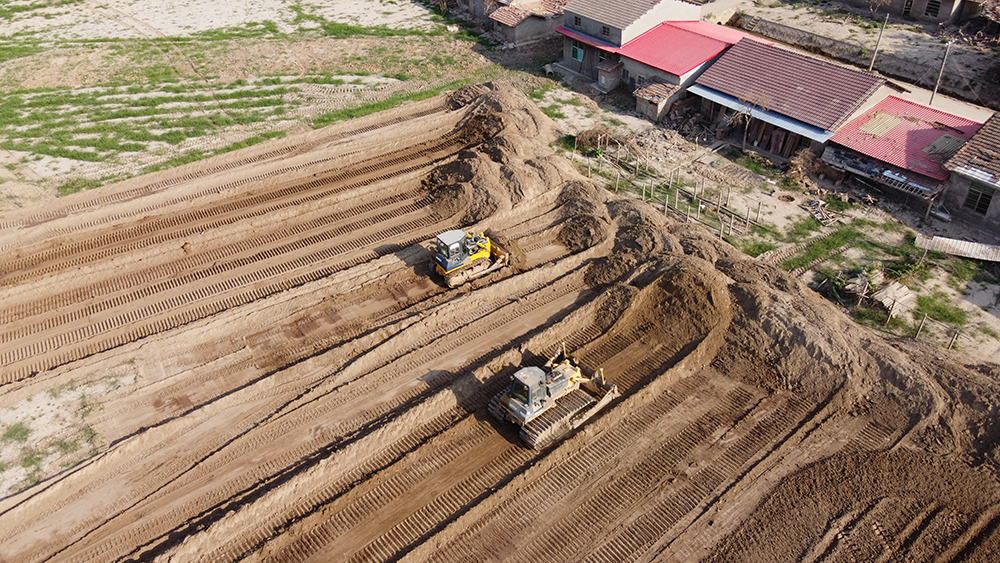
(672, 49)
(909, 135)
(715, 31)
(680, 47)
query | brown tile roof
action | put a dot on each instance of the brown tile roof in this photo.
(980, 157)
(516, 12)
(609, 65)
(655, 90)
(804, 88)
(509, 15)
(615, 14)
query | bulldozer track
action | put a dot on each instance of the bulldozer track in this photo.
(256, 439)
(154, 187)
(410, 202)
(123, 240)
(548, 489)
(414, 526)
(178, 309)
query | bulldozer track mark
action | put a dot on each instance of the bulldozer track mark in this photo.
(155, 187)
(683, 496)
(986, 524)
(255, 440)
(549, 488)
(184, 308)
(23, 269)
(50, 303)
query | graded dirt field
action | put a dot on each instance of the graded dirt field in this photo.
(255, 363)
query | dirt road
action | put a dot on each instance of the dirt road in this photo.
(256, 364)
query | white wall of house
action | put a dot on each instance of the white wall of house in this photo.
(667, 10)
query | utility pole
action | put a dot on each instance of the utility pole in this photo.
(940, 72)
(877, 43)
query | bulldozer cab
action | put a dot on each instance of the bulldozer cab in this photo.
(451, 249)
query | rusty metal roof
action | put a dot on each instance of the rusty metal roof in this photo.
(909, 135)
(963, 248)
(804, 88)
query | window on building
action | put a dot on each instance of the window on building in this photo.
(979, 198)
(577, 22)
(601, 57)
(933, 7)
(605, 30)
(907, 7)
(578, 51)
(625, 74)
(639, 80)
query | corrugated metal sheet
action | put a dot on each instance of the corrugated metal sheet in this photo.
(720, 32)
(807, 89)
(672, 49)
(960, 248)
(906, 134)
(785, 122)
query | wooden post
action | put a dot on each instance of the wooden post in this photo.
(922, 256)
(722, 226)
(921, 327)
(666, 203)
(637, 165)
(891, 308)
(643, 192)
(618, 179)
(574, 146)
(588, 167)
(687, 212)
(758, 211)
(954, 337)
(747, 226)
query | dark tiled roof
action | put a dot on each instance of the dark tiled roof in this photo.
(980, 157)
(810, 90)
(615, 14)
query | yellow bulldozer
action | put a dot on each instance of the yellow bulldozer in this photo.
(462, 256)
(548, 401)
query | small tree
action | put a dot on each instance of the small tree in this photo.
(744, 114)
(874, 5)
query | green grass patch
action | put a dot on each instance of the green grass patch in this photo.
(802, 228)
(836, 204)
(938, 307)
(538, 93)
(388, 103)
(757, 247)
(10, 51)
(17, 432)
(554, 112)
(822, 248)
(77, 185)
(67, 446)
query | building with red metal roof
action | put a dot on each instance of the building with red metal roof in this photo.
(907, 135)
(901, 144)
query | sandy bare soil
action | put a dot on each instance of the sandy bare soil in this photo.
(246, 358)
